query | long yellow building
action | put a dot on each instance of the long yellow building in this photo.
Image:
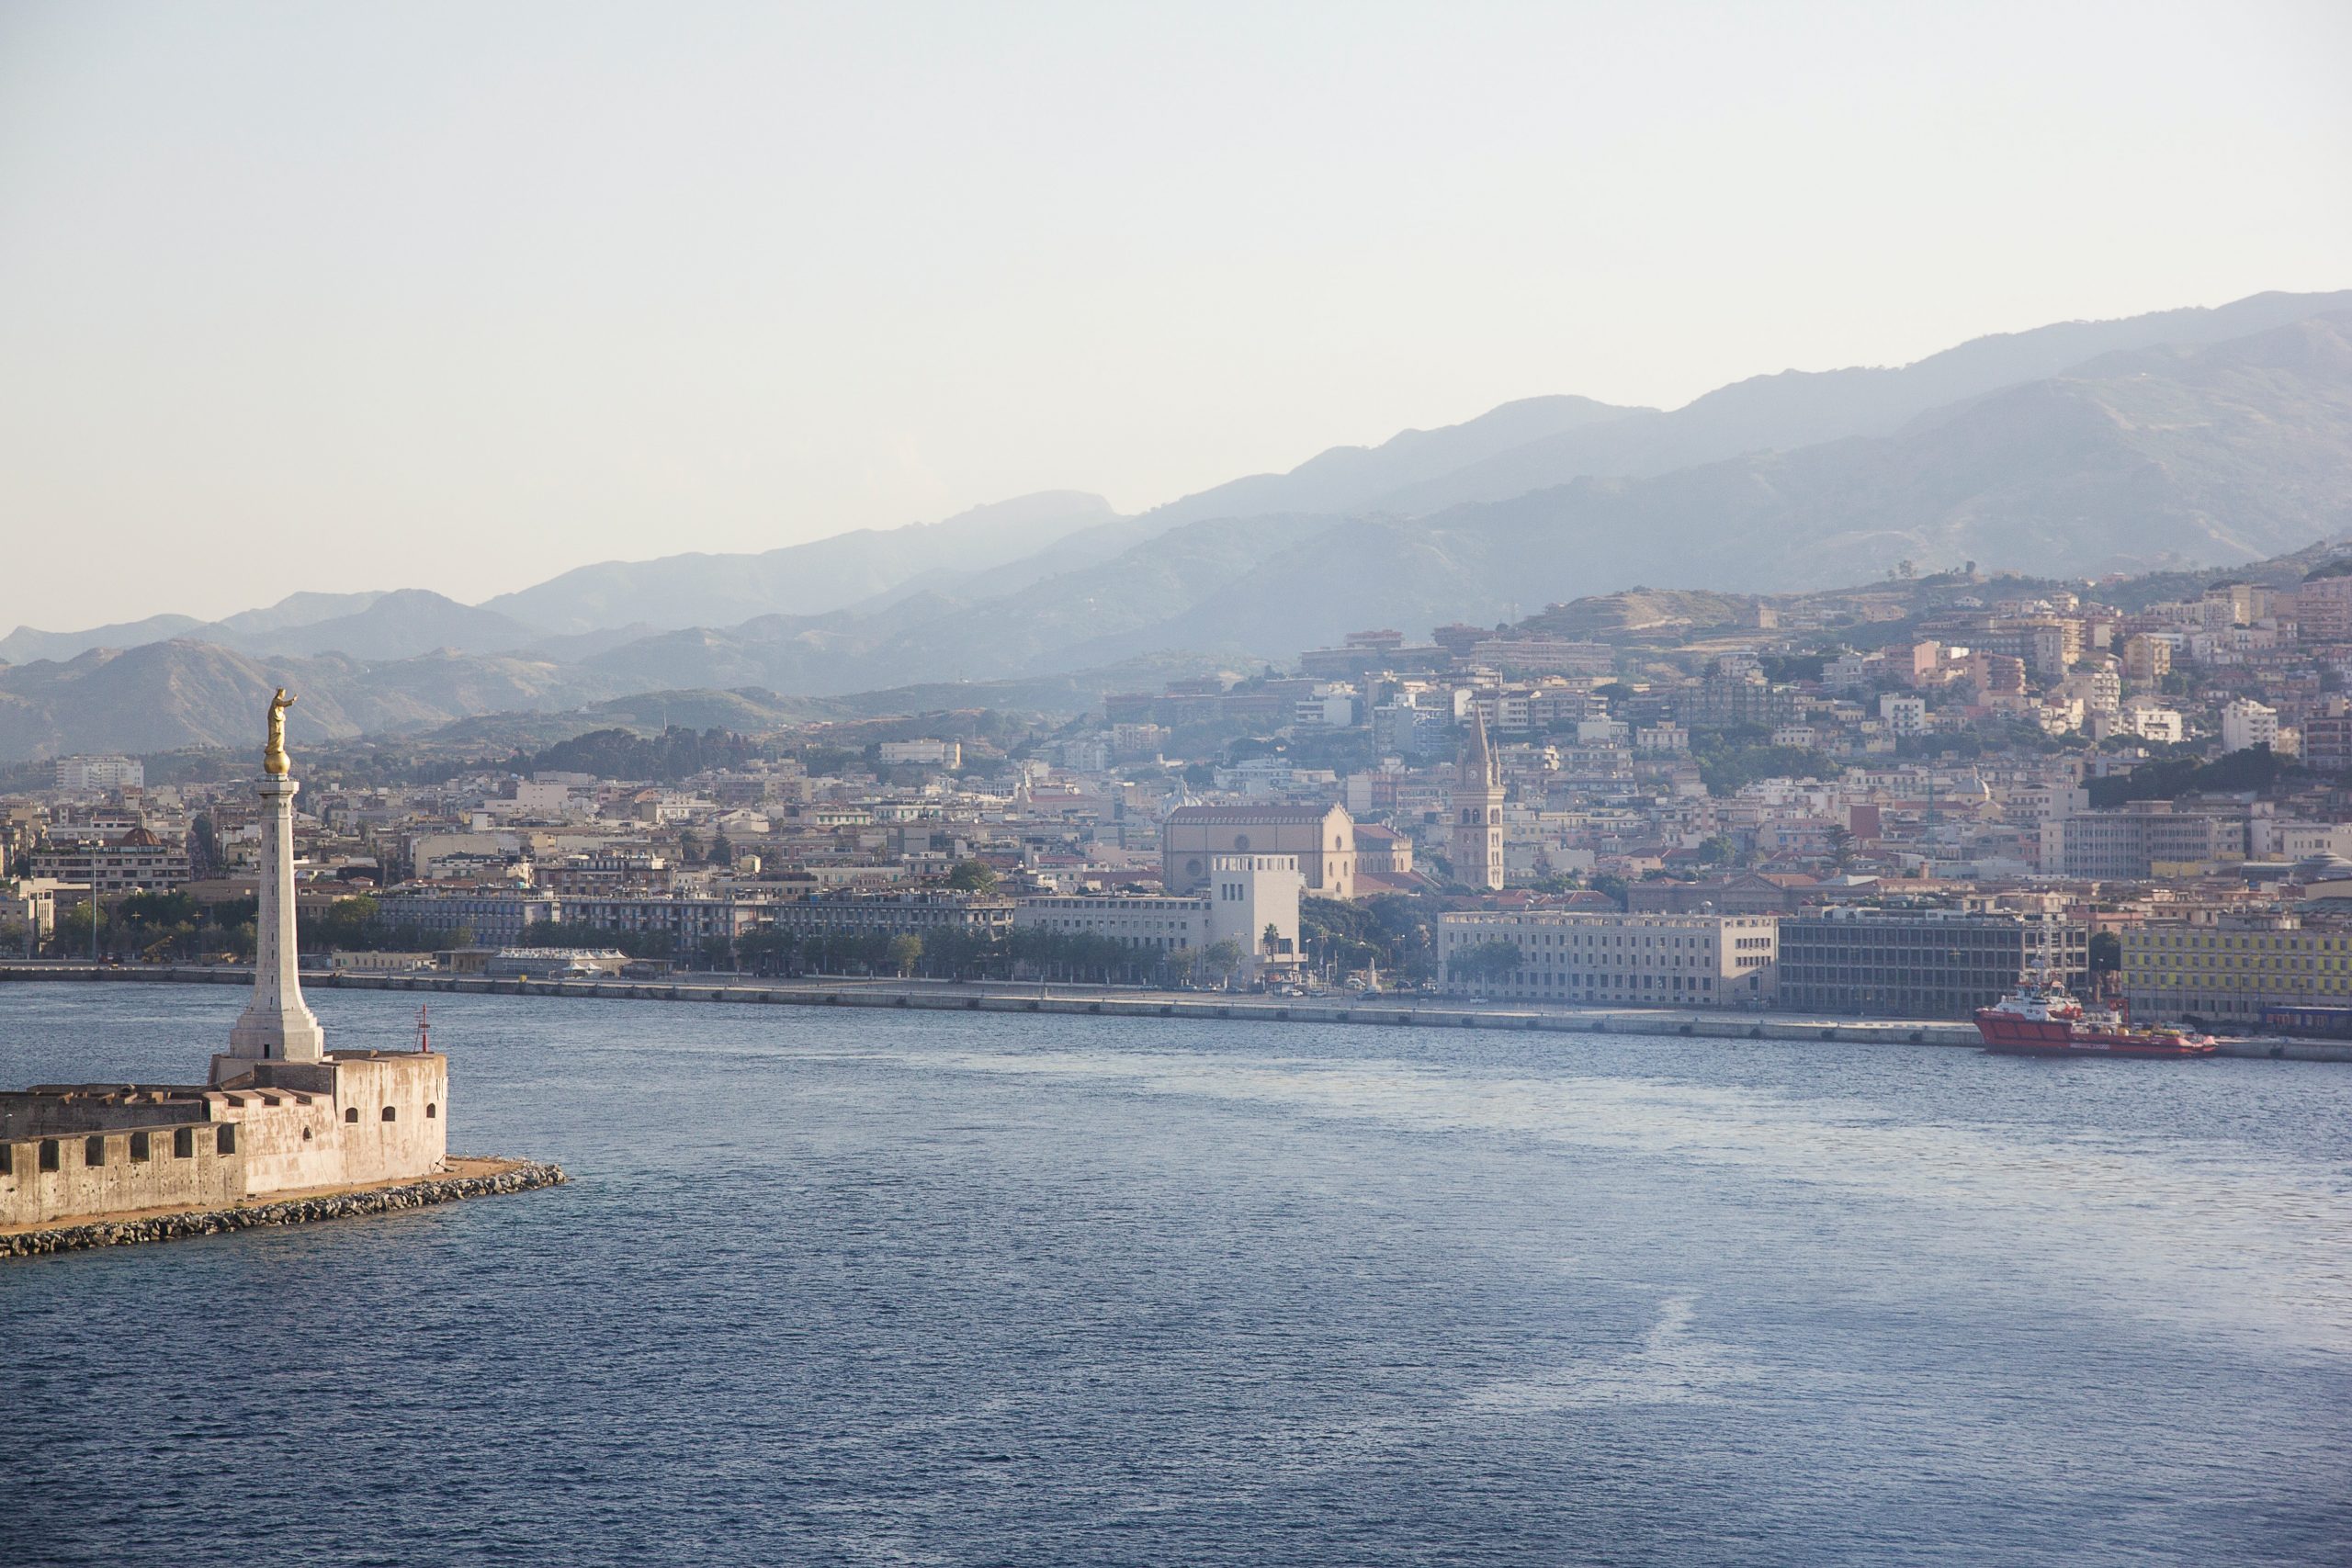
(2229, 969)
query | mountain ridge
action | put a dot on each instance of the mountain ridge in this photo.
(2144, 457)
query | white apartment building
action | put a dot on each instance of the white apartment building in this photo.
(1654, 960)
(1903, 715)
(2246, 724)
(2151, 721)
(1331, 705)
(83, 774)
(921, 753)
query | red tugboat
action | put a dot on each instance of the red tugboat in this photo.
(2040, 1019)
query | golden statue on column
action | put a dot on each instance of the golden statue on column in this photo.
(273, 756)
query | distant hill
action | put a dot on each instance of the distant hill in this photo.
(746, 712)
(800, 580)
(1801, 408)
(26, 644)
(2158, 457)
(399, 626)
(1351, 479)
(295, 609)
(165, 695)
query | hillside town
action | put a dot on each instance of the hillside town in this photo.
(1884, 802)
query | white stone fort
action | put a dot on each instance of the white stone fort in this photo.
(279, 1114)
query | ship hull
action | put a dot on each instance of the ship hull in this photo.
(2008, 1035)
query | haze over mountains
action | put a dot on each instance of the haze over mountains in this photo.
(2187, 438)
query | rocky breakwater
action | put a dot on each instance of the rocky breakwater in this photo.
(485, 1178)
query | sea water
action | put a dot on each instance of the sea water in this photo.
(928, 1288)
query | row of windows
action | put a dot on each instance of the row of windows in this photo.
(1521, 980)
(141, 1149)
(93, 1148)
(1544, 939)
(2239, 944)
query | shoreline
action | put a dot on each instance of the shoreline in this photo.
(952, 996)
(492, 1177)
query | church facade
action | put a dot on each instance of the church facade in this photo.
(278, 1114)
(1322, 839)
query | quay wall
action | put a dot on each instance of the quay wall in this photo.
(738, 990)
(520, 1177)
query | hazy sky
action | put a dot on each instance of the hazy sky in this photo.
(337, 295)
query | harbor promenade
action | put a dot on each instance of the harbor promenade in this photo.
(1409, 1013)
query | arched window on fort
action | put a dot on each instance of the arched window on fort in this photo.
(431, 1110)
(390, 1115)
(351, 1113)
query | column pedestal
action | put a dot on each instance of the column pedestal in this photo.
(277, 1026)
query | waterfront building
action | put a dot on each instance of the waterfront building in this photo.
(1919, 962)
(498, 917)
(278, 1112)
(1251, 901)
(554, 963)
(1648, 960)
(687, 922)
(135, 861)
(2227, 968)
(917, 913)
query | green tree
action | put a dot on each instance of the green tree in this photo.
(768, 950)
(1487, 962)
(972, 876)
(2106, 953)
(1841, 846)
(905, 952)
(1222, 958)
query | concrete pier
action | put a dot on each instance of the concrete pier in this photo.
(474, 1176)
(1420, 1013)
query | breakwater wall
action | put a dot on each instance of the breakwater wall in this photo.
(519, 1177)
(730, 989)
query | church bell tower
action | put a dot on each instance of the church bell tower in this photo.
(1477, 839)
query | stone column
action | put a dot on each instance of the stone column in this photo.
(276, 1026)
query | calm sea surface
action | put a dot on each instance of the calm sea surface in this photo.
(923, 1288)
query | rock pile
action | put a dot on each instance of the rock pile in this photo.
(519, 1178)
